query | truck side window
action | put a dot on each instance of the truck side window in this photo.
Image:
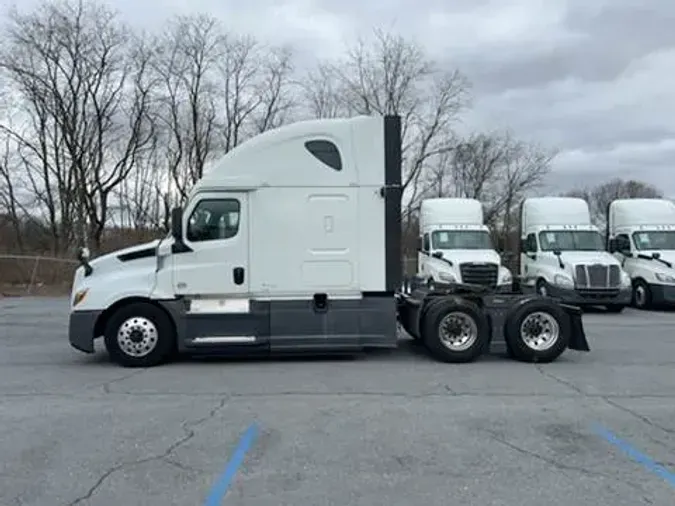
(622, 242)
(426, 243)
(325, 151)
(530, 244)
(214, 219)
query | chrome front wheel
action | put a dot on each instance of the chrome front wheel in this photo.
(137, 336)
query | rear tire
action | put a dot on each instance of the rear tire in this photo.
(537, 331)
(455, 330)
(140, 335)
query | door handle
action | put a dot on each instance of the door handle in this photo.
(238, 275)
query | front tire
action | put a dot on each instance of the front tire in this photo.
(537, 331)
(642, 295)
(455, 330)
(140, 335)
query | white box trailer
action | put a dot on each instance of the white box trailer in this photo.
(562, 254)
(455, 246)
(291, 243)
(641, 234)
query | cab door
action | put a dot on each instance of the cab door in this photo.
(215, 231)
(212, 273)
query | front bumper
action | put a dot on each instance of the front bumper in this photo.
(663, 294)
(81, 330)
(586, 297)
(508, 288)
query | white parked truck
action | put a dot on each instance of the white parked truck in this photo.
(292, 243)
(641, 234)
(455, 246)
(562, 254)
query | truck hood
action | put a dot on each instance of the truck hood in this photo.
(460, 256)
(588, 257)
(667, 255)
(105, 259)
(110, 261)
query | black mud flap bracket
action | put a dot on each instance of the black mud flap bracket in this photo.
(578, 339)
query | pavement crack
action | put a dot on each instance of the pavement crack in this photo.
(637, 415)
(106, 386)
(563, 467)
(562, 381)
(547, 460)
(189, 429)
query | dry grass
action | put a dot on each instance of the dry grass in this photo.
(52, 274)
(35, 276)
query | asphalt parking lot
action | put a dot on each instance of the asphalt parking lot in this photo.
(389, 429)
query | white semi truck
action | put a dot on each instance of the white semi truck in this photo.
(292, 243)
(562, 254)
(455, 246)
(641, 234)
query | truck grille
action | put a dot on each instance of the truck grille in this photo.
(597, 276)
(479, 274)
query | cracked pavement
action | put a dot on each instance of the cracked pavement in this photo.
(389, 428)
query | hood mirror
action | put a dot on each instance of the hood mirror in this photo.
(83, 256)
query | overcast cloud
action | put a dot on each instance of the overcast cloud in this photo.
(595, 79)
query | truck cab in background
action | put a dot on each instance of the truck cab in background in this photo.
(455, 246)
(641, 235)
(562, 254)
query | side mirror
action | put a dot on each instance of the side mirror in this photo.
(611, 245)
(177, 224)
(83, 255)
(437, 254)
(419, 244)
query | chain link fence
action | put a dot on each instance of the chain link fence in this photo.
(35, 275)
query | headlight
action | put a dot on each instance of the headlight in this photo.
(449, 278)
(507, 278)
(625, 279)
(664, 277)
(563, 281)
(79, 296)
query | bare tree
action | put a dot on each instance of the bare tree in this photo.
(601, 196)
(321, 93)
(10, 205)
(187, 56)
(83, 80)
(217, 90)
(393, 75)
(494, 168)
(256, 80)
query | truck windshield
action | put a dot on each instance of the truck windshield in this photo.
(571, 240)
(654, 240)
(461, 239)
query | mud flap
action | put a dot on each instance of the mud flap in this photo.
(578, 338)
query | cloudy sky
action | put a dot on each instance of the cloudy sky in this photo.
(595, 79)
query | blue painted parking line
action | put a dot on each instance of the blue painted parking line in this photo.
(221, 487)
(646, 462)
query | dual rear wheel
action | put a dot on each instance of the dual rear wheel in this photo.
(457, 330)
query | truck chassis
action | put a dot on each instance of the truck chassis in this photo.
(459, 323)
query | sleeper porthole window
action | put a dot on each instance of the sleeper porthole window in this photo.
(325, 151)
